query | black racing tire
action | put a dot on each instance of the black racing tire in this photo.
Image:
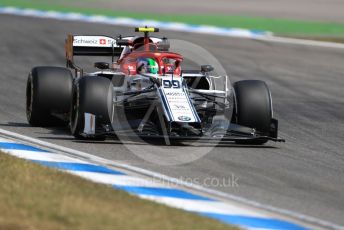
(48, 90)
(91, 94)
(253, 107)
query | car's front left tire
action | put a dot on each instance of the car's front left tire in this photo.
(91, 95)
(48, 91)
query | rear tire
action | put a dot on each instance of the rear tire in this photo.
(92, 95)
(253, 107)
(48, 90)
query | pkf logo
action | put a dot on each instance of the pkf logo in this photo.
(102, 41)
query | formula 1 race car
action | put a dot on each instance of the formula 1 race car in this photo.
(146, 93)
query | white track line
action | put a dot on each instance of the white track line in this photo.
(203, 206)
(4, 140)
(295, 41)
(42, 156)
(119, 180)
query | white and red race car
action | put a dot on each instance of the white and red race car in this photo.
(146, 94)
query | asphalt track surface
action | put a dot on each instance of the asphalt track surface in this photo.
(317, 10)
(305, 175)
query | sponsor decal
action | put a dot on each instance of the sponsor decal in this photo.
(184, 118)
(85, 41)
(93, 41)
(177, 100)
(179, 106)
(176, 94)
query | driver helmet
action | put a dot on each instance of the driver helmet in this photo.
(147, 65)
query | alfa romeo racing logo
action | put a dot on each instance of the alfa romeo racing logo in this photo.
(184, 118)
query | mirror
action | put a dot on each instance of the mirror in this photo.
(163, 45)
(101, 65)
(206, 68)
(122, 42)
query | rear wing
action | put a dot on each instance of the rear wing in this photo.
(91, 46)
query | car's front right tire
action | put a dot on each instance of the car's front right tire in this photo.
(253, 108)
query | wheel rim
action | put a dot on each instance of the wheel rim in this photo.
(29, 98)
(74, 113)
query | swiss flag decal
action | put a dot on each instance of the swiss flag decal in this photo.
(102, 41)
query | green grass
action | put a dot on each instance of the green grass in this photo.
(278, 26)
(36, 197)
